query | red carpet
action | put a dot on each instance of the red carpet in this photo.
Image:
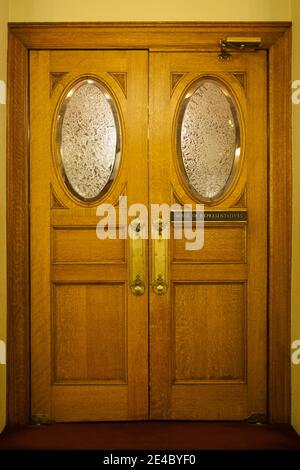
(151, 435)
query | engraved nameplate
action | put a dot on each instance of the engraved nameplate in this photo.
(210, 216)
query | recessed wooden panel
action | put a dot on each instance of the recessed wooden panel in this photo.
(81, 245)
(221, 245)
(89, 339)
(209, 332)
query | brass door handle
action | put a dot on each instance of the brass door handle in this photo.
(137, 259)
(159, 260)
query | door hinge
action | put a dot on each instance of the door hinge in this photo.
(40, 419)
(256, 418)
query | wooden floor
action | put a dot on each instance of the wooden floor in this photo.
(151, 435)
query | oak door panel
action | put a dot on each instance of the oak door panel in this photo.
(223, 244)
(89, 333)
(79, 245)
(89, 351)
(208, 333)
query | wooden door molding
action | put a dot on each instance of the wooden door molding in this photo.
(276, 39)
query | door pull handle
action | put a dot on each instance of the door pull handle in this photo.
(159, 260)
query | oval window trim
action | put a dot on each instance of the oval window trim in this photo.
(62, 107)
(238, 153)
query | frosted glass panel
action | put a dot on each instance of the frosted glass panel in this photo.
(208, 138)
(88, 138)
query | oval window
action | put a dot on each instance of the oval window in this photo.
(208, 139)
(88, 135)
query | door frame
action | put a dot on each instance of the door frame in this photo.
(169, 36)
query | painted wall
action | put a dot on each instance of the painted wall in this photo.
(156, 10)
(4, 12)
(296, 219)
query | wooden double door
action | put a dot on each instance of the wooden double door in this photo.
(197, 348)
